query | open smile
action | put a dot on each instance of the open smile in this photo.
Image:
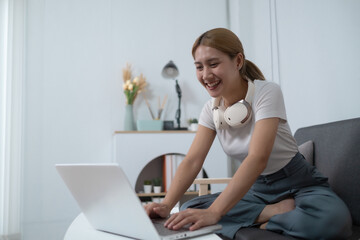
(212, 85)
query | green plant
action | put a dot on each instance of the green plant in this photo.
(147, 182)
(157, 181)
(192, 120)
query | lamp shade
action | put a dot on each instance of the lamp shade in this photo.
(170, 70)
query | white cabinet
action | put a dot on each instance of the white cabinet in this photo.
(134, 149)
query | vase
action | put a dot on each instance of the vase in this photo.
(129, 122)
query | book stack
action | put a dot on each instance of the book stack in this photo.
(170, 165)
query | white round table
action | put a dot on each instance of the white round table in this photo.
(80, 229)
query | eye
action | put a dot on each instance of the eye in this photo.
(213, 65)
(199, 67)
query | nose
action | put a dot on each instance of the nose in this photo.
(207, 73)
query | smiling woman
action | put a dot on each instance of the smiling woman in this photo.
(248, 116)
(11, 84)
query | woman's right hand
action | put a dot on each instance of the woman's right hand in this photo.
(155, 210)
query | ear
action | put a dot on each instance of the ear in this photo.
(239, 60)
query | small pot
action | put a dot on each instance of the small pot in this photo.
(147, 188)
(193, 127)
(157, 189)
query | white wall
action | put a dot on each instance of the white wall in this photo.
(74, 100)
(319, 60)
(318, 54)
(77, 48)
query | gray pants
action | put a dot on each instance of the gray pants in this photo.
(319, 212)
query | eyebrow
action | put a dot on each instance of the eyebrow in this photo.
(209, 60)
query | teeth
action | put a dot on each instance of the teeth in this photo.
(213, 84)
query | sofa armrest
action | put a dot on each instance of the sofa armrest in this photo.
(204, 183)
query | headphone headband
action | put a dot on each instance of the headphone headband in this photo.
(237, 114)
(250, 92)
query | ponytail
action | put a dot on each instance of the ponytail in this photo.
(251, 71)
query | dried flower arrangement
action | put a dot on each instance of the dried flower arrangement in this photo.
(132, 86)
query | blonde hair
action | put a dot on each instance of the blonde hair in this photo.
(227, 42)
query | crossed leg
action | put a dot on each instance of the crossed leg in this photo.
(319, 214)
(271, 210)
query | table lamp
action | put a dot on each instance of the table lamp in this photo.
(170, 71)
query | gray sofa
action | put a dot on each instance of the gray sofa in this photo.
(336, 153)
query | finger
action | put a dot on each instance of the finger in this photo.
(161, 211)
(175, 219)
(178, 217)
(150, 210)
(196, 226)
(171, 218)
(147, 209)
(182, 219)
(183, 222)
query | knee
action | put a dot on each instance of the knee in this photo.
(332, 224)
(315, 221)
(324, 217)
(338, 224)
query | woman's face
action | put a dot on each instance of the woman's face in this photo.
(216, 71)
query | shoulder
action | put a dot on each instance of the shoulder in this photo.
(266, 89)
(206, 116)
(264, 86)
(209, 103)
(268, 100)
(208, 106)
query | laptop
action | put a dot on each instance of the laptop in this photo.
(109, 203)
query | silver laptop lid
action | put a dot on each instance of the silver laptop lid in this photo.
(106, 198)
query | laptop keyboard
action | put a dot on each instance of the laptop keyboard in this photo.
(163, 231)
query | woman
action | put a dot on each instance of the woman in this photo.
(273, 188)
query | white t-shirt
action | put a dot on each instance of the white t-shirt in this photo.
(267, 102)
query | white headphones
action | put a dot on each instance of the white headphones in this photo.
(238, 114)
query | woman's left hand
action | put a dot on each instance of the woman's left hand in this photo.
(196, 217)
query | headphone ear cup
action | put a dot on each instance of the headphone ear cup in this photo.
(238, 114)
(218, 117)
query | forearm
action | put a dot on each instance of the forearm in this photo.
(261, 145)
(184, 177)
(190, 166)
(240, 184)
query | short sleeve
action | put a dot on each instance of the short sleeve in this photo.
(269, 102)
(206, 116)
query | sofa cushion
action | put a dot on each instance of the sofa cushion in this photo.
(337, 156)
(355, 233)
(307, 150)
(256, 233)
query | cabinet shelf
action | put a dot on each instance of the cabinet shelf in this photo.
(158, 132)
(195, 193)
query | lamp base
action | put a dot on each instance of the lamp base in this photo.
(180, 128)
(169, 125)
